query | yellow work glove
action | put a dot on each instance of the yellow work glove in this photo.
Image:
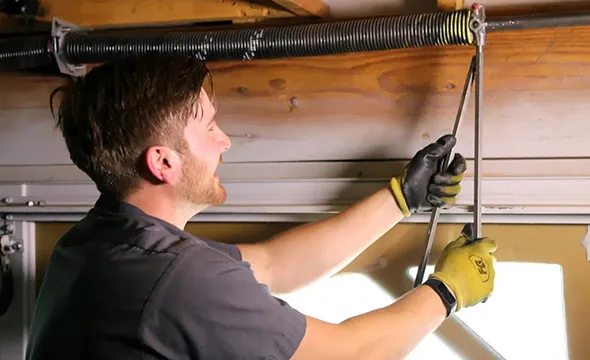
(467, 268)
(421, 186)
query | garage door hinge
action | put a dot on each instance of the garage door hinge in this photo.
(8, 244)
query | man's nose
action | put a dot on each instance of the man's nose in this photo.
(225, 142)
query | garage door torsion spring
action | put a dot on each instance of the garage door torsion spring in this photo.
(403, 31)
(373, 34)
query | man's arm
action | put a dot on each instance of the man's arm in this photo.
(322, 248)
(297, 257)
(388, 333)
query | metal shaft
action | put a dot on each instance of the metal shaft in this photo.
(478, 143)
(436, 211)
(478, 27)
(537, 21)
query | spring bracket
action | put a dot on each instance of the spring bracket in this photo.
(478, 24)
(59, 29)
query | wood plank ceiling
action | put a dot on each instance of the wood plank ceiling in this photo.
(388, 104)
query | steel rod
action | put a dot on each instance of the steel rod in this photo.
(478, 142)
(537, 21)
(479, 29)
(432, 224)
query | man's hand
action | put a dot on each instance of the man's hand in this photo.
(421, 187)
(467, 268)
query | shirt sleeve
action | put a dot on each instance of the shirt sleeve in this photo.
(229, 249)
(209, 306)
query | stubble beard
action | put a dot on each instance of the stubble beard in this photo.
(200, 189)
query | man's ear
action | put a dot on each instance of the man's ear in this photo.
(163, 164)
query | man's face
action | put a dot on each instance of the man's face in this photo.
(205, 142)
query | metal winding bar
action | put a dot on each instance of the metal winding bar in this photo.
(434, 217)
(478, 27)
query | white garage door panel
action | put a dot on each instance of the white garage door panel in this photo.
(48, 174)
(317, 188)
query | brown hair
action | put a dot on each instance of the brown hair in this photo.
(112, 115)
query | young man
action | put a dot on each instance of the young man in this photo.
(128, 283)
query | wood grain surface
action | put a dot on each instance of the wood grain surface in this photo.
(108, 13)
(450, 5)
(377, 105)
(306, 7)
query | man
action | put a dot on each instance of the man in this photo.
(128, 283)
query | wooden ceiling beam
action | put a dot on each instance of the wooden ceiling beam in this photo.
(305, 7)
(450, 5)
(121, 13)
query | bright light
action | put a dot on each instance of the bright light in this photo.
(340, 297)
(525, 316)
(343, 296)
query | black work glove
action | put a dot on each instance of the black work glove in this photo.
(421, 186)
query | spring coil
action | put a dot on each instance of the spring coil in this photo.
(404, 31)
(24, 52)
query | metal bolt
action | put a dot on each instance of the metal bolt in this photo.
(16, 246)
(8, 200)
(294, 101)
(9, 217)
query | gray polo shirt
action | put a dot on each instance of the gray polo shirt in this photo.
(124, 285)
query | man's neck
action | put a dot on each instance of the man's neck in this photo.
(161, 206)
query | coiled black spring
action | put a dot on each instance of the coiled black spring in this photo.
(374, 34)
(404, 31)
(24, 52)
